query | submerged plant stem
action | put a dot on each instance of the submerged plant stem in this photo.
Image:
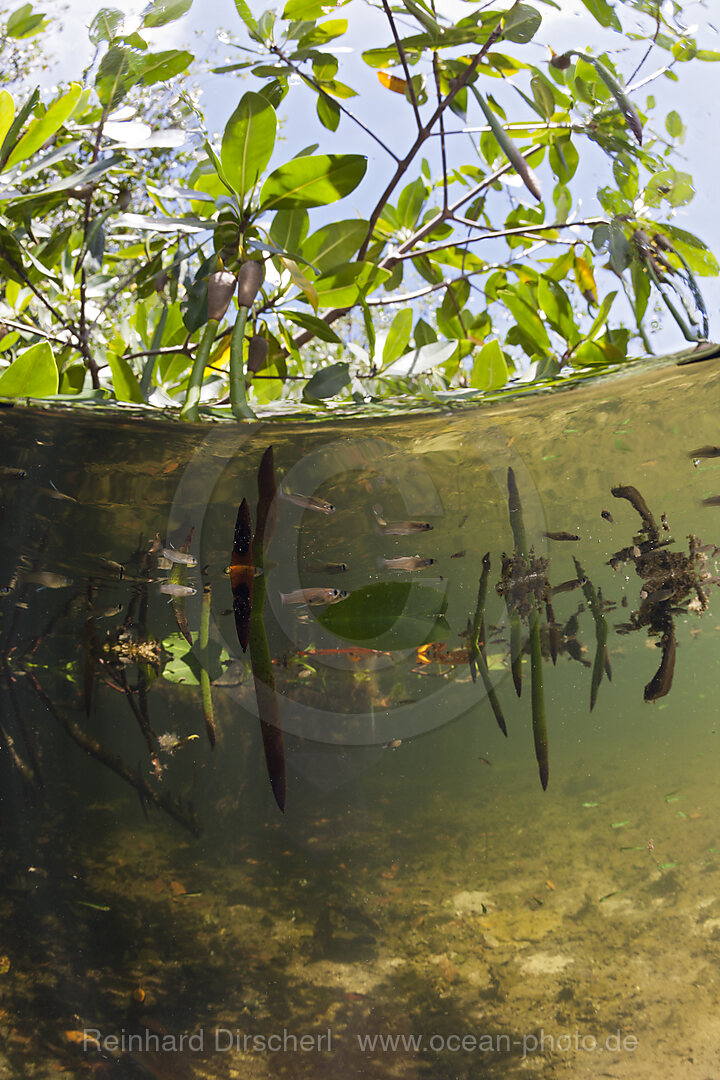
(189, 410)
(539, 724)
(238, 396)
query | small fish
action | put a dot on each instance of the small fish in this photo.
(106, 613)
(181, 557)
(7, 472)
(313, 596)
(329, 568)
(308, 502)
(459, 554)
(664, 522)
(705, 452)
(399, 528)
(568, 586)
(608, 516)
(47, 579)
(713, 500)
(393, 744)
(406, 562)
(172, 588)
(60, 495)
(561, 536)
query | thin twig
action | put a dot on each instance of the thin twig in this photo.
(318, 88)
(529, 231)
(403, 61)
(164, 801)
(443, 149)
(649, 48)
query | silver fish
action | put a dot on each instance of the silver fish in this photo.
(182, 557)
(308, 502)
(106, 612)
(313, 596)
(398, 528)
(172, 588)
(47, 579)
(9, 472)
(329, 568)
(406, 562)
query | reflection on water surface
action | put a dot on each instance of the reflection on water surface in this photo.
(421, 907)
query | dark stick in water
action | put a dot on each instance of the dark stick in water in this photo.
(260, 659)
(600, 633)
(518, 530)
(661, 682)
(633, 496)
(205, 688)
(539, 724)
(476, 651)
(242, 574)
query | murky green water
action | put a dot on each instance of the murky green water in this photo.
(422, 908)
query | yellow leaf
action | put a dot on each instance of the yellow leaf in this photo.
(586, 281)
(301, 281)
(391, 82)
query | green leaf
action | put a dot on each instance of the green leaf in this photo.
(124, 382)
(334, 245)
(161, 12)
(11, 256)
(543, 94)
(343, 286)
(423, 359)
(389, 615)
(521, 23)
(674, 125)
(619, 248)
(327, 382)
(696, 253)
(315, 326)
(322, 33)
(398, 336)
(603, 13)
(602, 316)
(247, 17)
(632, 119)
(117, 73)
(509, 149)
(105, 25)
(303, 10)
(410, 203)
(248, 142)
(45, 126)
(157, 67)
(24, 22)
(289, 228)
(670, 185)
(489, 370)
(520, 306)
(312, 181)
(555, 302)
(33, 373)
(7, 112)
(187, 661)
(328, 112)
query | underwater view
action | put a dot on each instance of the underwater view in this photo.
(378, 748)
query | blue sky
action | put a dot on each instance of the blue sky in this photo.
(694, 96)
